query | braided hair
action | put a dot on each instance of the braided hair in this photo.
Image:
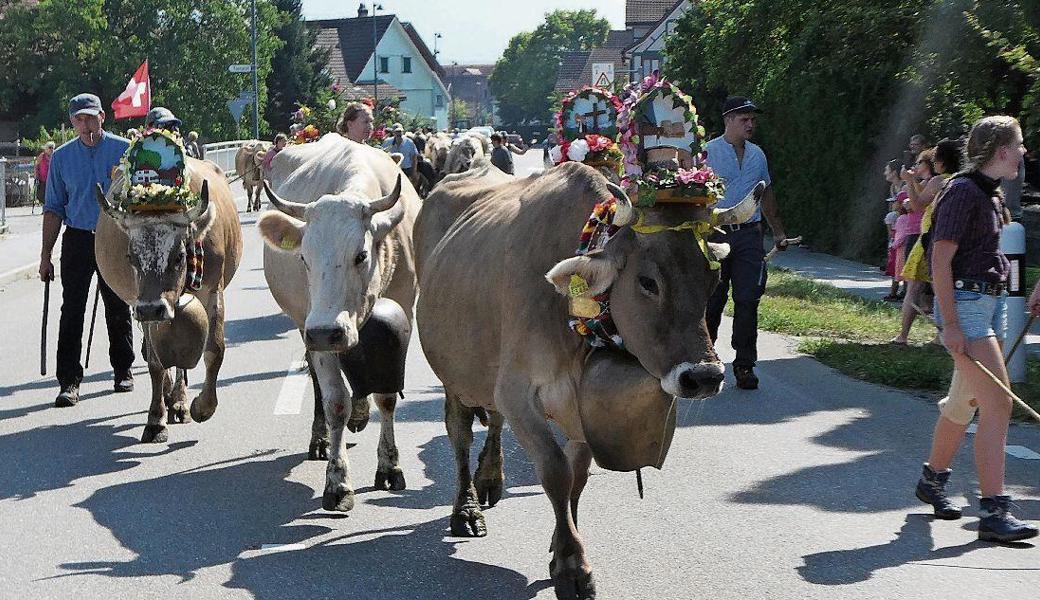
(987, 136)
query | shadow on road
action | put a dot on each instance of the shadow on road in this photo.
(268, 327)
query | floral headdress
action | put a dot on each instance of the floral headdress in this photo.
(154, 175)
(598, 148)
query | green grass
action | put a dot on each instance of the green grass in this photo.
(850, 334)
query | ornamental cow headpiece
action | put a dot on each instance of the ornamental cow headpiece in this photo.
(587, 129)
(154, 175)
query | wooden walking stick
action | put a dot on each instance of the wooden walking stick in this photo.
(43, 326)
(93, 318)
(1021, 337)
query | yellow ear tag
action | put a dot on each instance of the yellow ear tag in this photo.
(578, 286)
(288, 243)
(581, 305)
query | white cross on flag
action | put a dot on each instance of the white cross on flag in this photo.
(136, 99)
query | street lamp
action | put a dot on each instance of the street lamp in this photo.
(436, 37)
(375, 57)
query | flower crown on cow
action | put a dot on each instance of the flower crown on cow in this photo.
(662, 144)
(154, 175)
(586, 125)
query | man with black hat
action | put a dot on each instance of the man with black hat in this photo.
(77, 167)
(741, 165)
(162, 118)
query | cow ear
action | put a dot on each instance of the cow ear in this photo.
(281, 232)
(597, 271)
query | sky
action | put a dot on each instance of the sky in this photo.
(474, 31)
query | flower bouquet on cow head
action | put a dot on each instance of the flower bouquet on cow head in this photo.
(662, 143)
(154, 176)
(586, 126)
(309, 123)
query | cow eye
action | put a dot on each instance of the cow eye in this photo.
(361, 257)
(649, 285)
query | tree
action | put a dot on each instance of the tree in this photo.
(56, 49)
(525, 75)
(298, 69)
(458, 110)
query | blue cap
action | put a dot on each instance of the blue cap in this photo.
(85, 104)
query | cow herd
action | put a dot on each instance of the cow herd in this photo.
(487, 261)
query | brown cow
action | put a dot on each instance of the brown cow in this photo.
(497, 334)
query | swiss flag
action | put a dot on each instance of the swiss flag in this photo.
(136, 99)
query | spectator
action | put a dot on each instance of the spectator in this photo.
(193, 148)
(900, 233)
(917, 145)
(922, 185)
(43, 166)
(891, 175)
(405, 147)
(76, 169)
(280, 141)
(891, 221)
(550, 143)
(162, 118)
(970, 273)
(500, 157)
(356, 122)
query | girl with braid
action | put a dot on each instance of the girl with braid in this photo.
(969, 274)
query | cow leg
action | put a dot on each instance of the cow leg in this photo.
(388, 472)
(579, 456)
(466, 518)
(249, 195)
(205, 404)
(360, 412)
(177, 400)
(490, 475)
(256, 195)
(569, 568)
(155, 431)
(339, 493)
(319, 446)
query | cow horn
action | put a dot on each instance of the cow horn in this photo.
(744, 210)
(106, 206)
(293, 209)
(625, 213)
(193, 214)
(387, 202)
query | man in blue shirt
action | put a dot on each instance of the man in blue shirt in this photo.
(742, 164)
(404, 146)
(76, 168)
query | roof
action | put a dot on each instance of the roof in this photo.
(363, 90)
(619, 38)
(653, 27)
(576, 68)
(424, 51)
(645, 12)
(474, 70)
(349, 42)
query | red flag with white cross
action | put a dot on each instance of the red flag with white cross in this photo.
(136, 99)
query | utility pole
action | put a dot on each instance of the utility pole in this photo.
(375, 57)
(256, 83)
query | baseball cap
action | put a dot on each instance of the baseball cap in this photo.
(85, 104)
(397, 127)
(741, 104)
(161, 117)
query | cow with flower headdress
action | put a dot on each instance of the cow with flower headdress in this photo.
(168, 243)
(586, 127)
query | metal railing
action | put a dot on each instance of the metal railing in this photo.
(223, 154)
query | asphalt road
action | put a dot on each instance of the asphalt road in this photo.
(802, 489)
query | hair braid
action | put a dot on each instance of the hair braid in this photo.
(986, 137)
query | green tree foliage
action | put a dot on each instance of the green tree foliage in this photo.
(845, 84)
(458, 110)
(525, 75)
(298, 72)
(58, 48)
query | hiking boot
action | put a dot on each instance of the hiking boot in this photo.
(124, 381)
(996, 525)
(68, 396)
(931, 489)
(746, 378)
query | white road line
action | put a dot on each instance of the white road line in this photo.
(1021, 452)
(281, 547)
(290, 399)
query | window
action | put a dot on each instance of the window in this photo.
(384, 64)
(440, 101)
(406, 64)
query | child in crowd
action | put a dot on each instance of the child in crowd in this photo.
(891, 221)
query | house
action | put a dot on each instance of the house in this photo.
(385, 55)
(471, 84)
(651, 22)
(580, 68)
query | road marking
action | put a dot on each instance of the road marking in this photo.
(1022, 452)
(972, 428)
(290, 399)
(281, 547)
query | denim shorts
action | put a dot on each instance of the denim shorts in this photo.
(980, 316)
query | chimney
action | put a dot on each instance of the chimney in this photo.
(362, 11)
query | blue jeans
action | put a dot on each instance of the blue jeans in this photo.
(980, 316)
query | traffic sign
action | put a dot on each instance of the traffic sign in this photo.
(240, 68)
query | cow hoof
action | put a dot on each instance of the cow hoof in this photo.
(359, 416)
(339, 501)
(390, 480)
(155, 434)
(468, 522)
(197, 412)
(319, 450)
(488, 492)
(178, 414)
(571, 582)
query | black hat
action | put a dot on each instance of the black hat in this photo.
(161, 117)
(739, 104)
(85, 104)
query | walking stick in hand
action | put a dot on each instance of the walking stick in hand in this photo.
(43, 326)
(93, 318)
(797, 241)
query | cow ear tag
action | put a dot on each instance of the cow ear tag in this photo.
(580, 304)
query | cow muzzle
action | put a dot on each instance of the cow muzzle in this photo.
(330, 339)
(151, 312)
(694, 381)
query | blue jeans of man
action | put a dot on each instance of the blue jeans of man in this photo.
(743, 271)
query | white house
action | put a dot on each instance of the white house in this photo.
(646, 52)
(401, 64)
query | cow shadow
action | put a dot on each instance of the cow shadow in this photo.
(180, 523)
(53, 457)
(268, 327)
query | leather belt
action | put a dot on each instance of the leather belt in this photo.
(739, 226)
(979, 287)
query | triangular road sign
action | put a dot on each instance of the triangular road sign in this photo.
(603, 82)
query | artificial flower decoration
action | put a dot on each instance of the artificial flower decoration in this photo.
(154, 175)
